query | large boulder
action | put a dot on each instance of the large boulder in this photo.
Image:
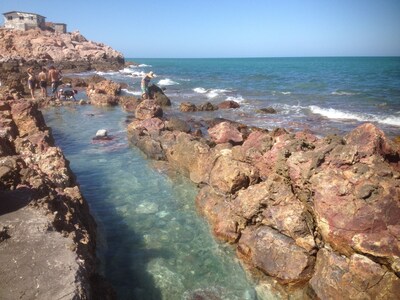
(148, 109)
(356, 198)
(276, 255)
(225, 132)
(157, 94)
(357, 277)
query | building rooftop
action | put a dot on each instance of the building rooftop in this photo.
(21, 12)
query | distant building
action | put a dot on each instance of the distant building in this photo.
(60, 27)
(25, 21)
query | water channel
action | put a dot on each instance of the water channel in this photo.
(152, 243)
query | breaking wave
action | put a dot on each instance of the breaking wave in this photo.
(167, 81)
(332, 113)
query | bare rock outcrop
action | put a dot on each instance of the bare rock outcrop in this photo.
(315, 217)
(70, 52)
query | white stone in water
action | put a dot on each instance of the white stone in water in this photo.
(101, 133)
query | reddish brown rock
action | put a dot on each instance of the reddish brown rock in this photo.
(230, 176)
(357, 277)
(59, 48)
(273, 203)
(104, 87)
(218, 212)
(275, 254)
(225, 132)
(228, 104)
(187, 107)
(129, 103)
(148, 109)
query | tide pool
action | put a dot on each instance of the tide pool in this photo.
(151, 242)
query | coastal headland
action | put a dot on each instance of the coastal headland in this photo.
(309, 217)
(47, 234)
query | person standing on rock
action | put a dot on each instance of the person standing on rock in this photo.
(145, 85)
(43, 82)
(31, 82)
(55, 77)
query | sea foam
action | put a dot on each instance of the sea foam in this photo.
(332, 113)
(167, 81)
(128, 92)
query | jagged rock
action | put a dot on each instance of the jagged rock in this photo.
(44, 211)
(206, 107)
(187, 107)
(148, 109)
(225, 132)
(228, 104)
(275, 254)
(175, 124)
(158, 95)
(129, 103)
(357, 277)
(268, 110)
(69, 51)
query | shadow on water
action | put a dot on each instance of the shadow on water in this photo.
(124, 257)
(122, 252)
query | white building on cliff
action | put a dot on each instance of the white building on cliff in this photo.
(25, 21)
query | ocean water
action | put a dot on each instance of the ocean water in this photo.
(152, 244)
(324, 95)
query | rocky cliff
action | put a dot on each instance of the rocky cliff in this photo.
(71, 52)
(313, 218)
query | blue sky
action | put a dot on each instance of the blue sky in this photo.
(222, 28)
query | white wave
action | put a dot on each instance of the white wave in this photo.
(332, 113)
(215, 92)
(238, 99)
(391, 121)
(167, 81)
(128, 92)
(200, 90)
(343, 93)
(144, 66)
(100, 73)
(138, 74)
(286, 93)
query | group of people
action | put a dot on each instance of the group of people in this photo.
(53, 76)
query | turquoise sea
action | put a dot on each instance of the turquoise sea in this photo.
(152, 244)
(323, 94)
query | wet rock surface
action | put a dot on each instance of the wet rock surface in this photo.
(317, 218)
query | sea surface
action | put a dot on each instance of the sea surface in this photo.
(152, 244)
(327, 95)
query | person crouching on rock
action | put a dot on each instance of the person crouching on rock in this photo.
(54, 76)
(43, 82)
(145, 85)
(31, 82)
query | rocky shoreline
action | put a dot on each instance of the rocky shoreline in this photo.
(311, 218)
(69, 52)
(47, 235)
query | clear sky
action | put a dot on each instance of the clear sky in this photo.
(229, 28)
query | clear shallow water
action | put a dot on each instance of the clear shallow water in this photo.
(152, 244)
(325, 95)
